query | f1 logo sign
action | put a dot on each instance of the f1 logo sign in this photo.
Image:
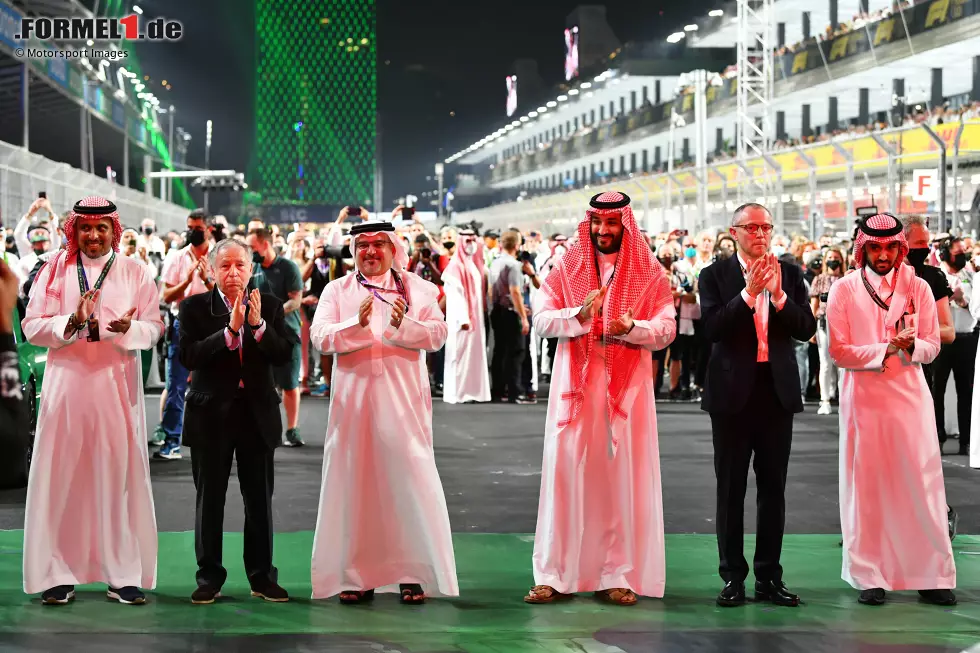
(925, 185)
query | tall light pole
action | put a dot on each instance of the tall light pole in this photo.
(207, 162)
(440, 168)
(170, 150)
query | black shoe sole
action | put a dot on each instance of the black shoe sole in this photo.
(873, 602)
(269, 598)
(765, 598)
(730, 603)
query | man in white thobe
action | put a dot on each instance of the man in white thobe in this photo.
(383, 524)
(467, 377)
(883, 327)
(89, 514)
(600, 514)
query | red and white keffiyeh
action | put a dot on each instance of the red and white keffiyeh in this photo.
(639, 283)
(457, 270)
(88, 208)
(882, 228)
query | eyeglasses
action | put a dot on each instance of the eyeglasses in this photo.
(754, 228)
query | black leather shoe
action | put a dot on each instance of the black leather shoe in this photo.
(775, 592)
(270, 591)
(875, 596)
(732, 595)
(205, 594)
(938, 597)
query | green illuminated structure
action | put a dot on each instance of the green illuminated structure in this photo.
(315, 101)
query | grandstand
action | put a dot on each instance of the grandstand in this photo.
(860, 108)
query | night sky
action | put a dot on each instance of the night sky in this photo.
(434, 58)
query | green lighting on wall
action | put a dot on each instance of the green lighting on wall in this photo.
(316, 101)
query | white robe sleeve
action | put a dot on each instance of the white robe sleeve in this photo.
(553, 322)
(656, 333)
(457, 310)
(147, 325)
(844, 354)
(44, 331)
(975, 302)
(927, 329)
(331, 335)
(429, 332)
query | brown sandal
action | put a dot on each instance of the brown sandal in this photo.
(617, 596)
(537, 595)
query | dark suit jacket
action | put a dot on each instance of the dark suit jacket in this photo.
(216, 370)
(729, 323)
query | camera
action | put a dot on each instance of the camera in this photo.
(824, 297)
(43, 195)
(426, 252)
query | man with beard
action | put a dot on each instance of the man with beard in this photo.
(959, 356)
(600, 514)
(883, 326)
(186, 274)
(89, 515)
(382, 524)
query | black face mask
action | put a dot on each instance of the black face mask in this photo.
(917, 257)
(833, 265)
(195, 237)
(666, 262)
(148, 231)
(958, 262)
(448, 244)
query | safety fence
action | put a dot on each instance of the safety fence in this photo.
(811, 189)
(24, 174)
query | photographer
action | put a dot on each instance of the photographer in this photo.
(682, 350)
(528, 370)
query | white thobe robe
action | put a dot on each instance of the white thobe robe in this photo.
(974, 459)
(383, 519)
(89, 515)
(467, 376)
(892, 496)
(600, 513)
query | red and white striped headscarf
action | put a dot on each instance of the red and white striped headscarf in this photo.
(89, 208)
(639, 283)
(457, 270)
(882, 228)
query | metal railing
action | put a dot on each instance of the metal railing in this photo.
(818, 186)
(24, 174)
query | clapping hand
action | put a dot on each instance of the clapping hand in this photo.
(123, 323)
(622, 325)
(592, 304)
(237, 313)
(86, 306)
(902, 341)
(255, 308)
(775, 285)
(365, 311)
(758, 276)
(398, 312)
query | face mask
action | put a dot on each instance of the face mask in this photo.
(958, 262)
(917, 257)
(833, 265)
(148, 231)
(690, 252)
(666, 262)
(448, 244)
(39, 250)
(778, 250)
(195, 237)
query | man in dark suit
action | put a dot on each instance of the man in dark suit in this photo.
(230, 340)
(752, 309)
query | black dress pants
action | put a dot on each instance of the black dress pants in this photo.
(958, 358)
(763, 428)
(508, 354)
(211, 467)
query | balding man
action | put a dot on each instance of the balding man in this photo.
(752, 309)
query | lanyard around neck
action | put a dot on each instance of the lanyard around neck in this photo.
(83, 280)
